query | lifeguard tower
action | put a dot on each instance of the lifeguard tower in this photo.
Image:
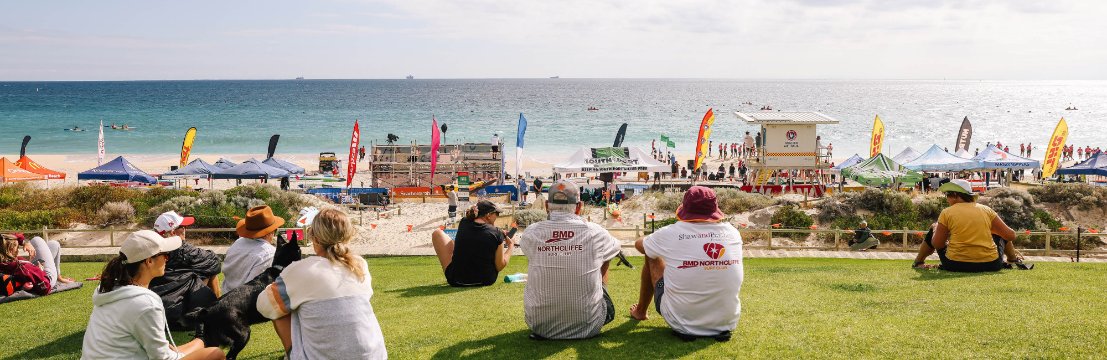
(788, 151)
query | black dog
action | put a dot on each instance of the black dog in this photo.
(226, 323)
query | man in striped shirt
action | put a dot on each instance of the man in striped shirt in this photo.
(568, 257)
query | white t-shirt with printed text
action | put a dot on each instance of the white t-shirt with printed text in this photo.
(703, 275)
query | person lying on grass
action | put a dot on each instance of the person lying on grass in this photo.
(569, 258)
(40, 275)
(190, 279)
(128, 320)
(320, 305)
(693, 270)
(963, 236)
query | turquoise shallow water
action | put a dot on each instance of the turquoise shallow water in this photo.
(317, 115)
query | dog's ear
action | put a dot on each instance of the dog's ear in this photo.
(280, 238)
(295, 236)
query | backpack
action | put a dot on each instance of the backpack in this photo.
(23, 275)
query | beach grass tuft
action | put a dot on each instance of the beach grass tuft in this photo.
(791, 308)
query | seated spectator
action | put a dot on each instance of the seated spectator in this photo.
(569, 258)
(320, 305)
(963, 235)
(128, 321)
(40, 275)
(693, 270)
(863, 238)
(480, 251)
(253, 252)
(190, 279)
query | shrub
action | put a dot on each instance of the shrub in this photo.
(36, 219)
(791, 218)
(524, 218)
(881, 201)
(930, 207)
(732, 201)
(658, 224)
(668, 201)
(89, 199)
(115, 213)
(1015, 207)
(832, 209)
(1081, 196)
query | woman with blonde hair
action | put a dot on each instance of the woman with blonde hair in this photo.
(320, 305)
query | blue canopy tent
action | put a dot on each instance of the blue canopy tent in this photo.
(936, 159)
(118, 169)
(196, 169)
(286, 166)
(223, 163)
(251, 169)
(853, 160)
(1096, 165)
(994, 158)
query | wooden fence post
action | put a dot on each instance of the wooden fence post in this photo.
(45, 235)
(770, 246)
(904, 238)
(1048, 246)
(837, 239)
(111, 235)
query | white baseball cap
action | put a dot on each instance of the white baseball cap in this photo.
(957, 185)
(170, 220)
(143, 244)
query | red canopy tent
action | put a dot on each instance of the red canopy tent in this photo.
(26, 163)
(10, 172)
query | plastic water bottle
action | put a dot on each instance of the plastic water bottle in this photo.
(516, 278)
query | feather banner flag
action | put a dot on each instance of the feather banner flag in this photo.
(877, 144)
(519, 143)
(1053, 151)
(351, 167)
(186, 146)
(100, 146)
(702, 138)
(436, 141)
(964, 136)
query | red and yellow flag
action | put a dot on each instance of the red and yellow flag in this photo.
(186, 146)
(877, 144)
(1053, 151)
(702, 139)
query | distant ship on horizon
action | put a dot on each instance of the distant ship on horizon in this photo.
(555, 77)
(299, 78)
(409, 77)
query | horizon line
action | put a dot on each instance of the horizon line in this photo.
(551, 78)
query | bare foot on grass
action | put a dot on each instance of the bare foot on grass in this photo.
(638, 312)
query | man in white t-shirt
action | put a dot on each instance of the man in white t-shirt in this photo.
(568, 258)
(747, 145)
(693, 270)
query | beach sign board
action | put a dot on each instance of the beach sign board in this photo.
(463, 186)
(790, 145)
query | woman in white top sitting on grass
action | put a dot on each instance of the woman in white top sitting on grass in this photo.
(320, 305)
(128, 320)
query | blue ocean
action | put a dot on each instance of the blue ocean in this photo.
(234, 117)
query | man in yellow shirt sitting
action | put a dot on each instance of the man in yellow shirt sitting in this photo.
(963, 235)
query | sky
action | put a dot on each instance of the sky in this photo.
(375, 39)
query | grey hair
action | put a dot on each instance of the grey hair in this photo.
(565, 208)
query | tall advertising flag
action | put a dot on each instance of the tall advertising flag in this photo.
(186, 146)
(964, 136)
(702, 138)
(351, 167)
(23, 148)
(436, 140)
(619, 136)
(877, 144)
(519, 143)
(100, 146)
(1053, 152)
(272, 145)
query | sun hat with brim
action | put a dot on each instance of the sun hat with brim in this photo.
(259, 222)
(699, 205)
(144, 244)
(957, 186)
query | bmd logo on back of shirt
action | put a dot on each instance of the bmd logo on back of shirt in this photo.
(561, 235)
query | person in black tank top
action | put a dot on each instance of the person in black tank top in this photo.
(480, 251)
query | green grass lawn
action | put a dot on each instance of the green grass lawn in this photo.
(792, 308)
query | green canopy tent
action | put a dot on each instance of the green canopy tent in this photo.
(881, 170)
